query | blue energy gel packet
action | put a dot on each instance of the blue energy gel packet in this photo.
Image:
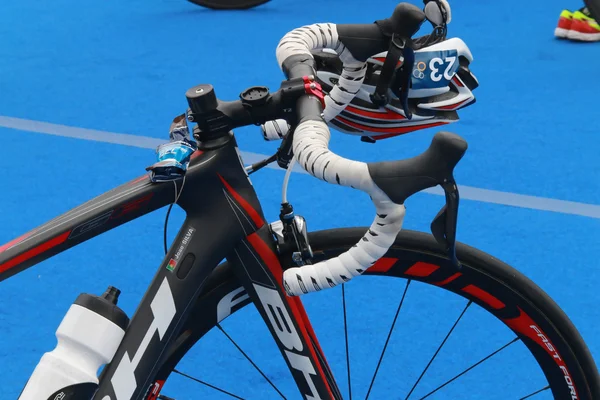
(173, 157)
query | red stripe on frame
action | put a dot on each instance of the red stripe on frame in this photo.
(307, 324)
(55, 241)
(383, 264)
(422, 269)
(269, 258)
(140, 179)
(14, 242)
(483, 296)
(245, 205)
(272, 262)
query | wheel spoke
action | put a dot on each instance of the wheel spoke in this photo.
(438, 349)
(207, 384)
(346, 337)
(470, 368)
(250, 360)
(534, 393)
(388, 339)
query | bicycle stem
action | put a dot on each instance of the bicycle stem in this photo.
(216, 118)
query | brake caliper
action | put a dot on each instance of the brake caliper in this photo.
(292, 235)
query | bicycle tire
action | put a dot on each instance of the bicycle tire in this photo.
(495, 278)
(229, 4)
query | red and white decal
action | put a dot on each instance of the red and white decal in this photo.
(154, 390)
(163, 309)
(524, 325)
(283, 323)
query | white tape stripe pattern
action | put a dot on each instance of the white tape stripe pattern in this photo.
(311, 149)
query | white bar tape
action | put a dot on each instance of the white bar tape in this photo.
(311, 141)
(351, 79)
(318, 36)
(275, 130)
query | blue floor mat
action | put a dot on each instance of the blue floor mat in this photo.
(125, 66)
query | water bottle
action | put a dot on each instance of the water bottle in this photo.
(88, 338)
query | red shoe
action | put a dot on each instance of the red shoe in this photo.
(584, 27)
(564, 24)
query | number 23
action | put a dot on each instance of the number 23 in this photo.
(436, 75)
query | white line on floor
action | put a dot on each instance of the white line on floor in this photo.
(466, 192)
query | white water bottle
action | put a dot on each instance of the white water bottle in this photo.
(88, 338)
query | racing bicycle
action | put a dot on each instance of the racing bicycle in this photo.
(270, 265)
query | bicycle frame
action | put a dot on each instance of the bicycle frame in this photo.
(223, 220)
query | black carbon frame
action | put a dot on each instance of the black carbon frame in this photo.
(223, 220)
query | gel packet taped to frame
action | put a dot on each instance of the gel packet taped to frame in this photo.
(173, 157)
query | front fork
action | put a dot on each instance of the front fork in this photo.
(256, 263)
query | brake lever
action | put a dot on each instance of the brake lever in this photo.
(283, 156)
(403, 178)
(285, 152)
(443, 226)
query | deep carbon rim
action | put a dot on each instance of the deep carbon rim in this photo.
(538, 322)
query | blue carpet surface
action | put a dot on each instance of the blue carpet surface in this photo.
(125, 66)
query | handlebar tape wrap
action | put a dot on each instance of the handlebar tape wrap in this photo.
(311, 149)
(325, 36)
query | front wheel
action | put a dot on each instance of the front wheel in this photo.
(229, 4)
(566, 366)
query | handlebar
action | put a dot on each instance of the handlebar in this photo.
(300, 101)
(355, 43)
(256, 105)
(363, 40)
